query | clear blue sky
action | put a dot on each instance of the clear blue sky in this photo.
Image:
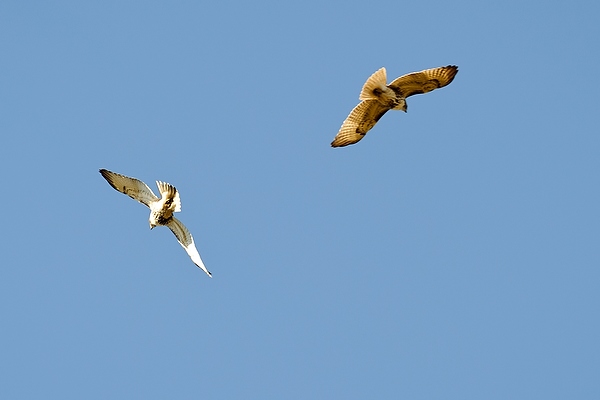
(451, 254)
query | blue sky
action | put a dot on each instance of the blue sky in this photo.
(453, 253)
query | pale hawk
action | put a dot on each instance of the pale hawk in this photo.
(161, 210)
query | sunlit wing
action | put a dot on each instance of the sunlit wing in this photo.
(185, 239)
(361, 119)
(424, 81)
(132, 187)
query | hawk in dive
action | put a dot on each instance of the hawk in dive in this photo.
(377, 98)
(161, 210)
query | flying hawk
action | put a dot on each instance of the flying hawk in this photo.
(161, 210)
(377, 98)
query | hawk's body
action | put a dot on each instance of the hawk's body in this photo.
(378, 98)
(161, 209)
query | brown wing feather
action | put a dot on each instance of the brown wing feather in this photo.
(132, 187)
(424, 81)
(361, 119)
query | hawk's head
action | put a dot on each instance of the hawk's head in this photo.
(401, 105)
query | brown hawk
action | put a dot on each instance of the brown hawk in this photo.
(378, 97)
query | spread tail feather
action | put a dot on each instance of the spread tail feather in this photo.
(169, 191)
(375, 85)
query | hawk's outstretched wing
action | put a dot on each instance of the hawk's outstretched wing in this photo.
(423, 81)
(185, 239)
(359, 122)
(132, 187)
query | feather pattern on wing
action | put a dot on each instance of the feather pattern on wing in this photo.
(132, 187)
(185, 239)
(423, 81)
(361, 119)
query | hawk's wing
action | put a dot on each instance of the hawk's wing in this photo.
(132, 187)
(185, 239)
(359, 122)
(424, 81)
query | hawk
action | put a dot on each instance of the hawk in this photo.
(161, 210)
(378, 98)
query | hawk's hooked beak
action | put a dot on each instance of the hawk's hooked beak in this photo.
(152, 226)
